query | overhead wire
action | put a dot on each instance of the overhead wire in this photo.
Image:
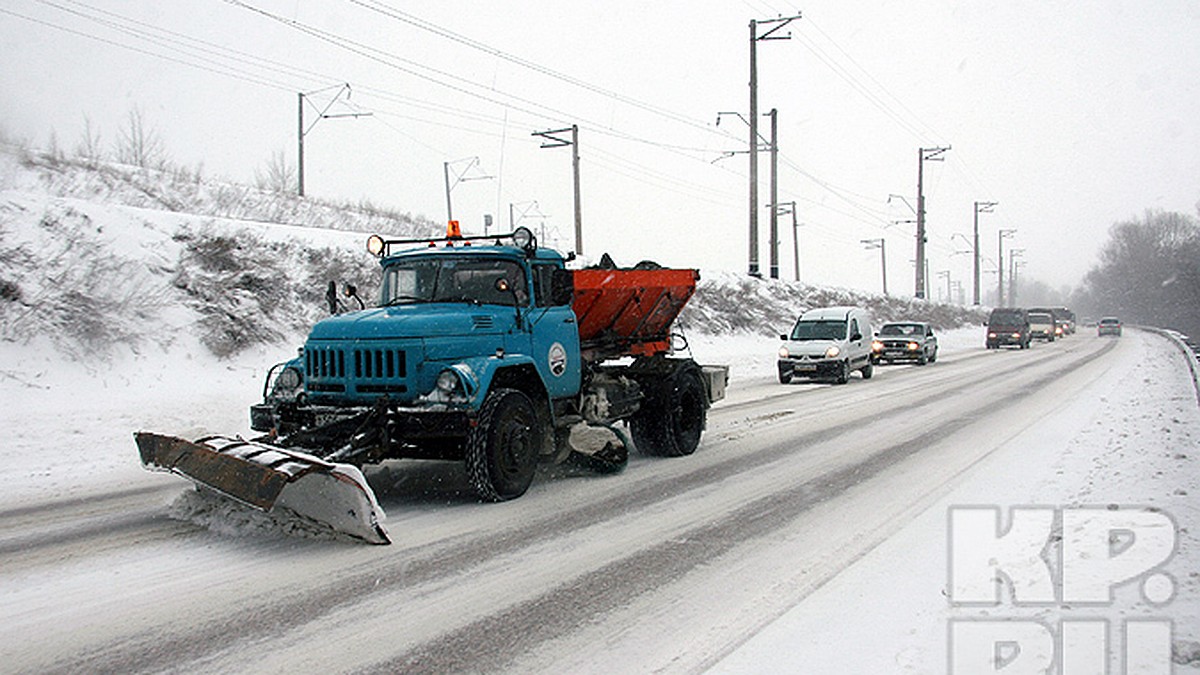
(218, 59)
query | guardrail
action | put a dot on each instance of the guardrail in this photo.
(1190, 349)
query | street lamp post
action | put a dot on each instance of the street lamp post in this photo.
(459, 177)
(1013, 254)
(880, 244)
(980, 207)
(1002, 235)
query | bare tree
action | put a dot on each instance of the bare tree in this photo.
(138, 145)
(89, 147)
(278, 175)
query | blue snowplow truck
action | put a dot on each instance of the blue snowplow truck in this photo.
(481, 350)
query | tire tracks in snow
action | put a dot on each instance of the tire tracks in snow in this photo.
(603, 588)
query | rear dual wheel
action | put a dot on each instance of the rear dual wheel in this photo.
(673, 416)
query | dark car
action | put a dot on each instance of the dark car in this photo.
(1109, 325)
(905, 341)
(1008, 326)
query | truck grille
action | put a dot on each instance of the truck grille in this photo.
(332, 362)
(379, 363)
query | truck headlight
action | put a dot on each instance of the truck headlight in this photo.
(448, 381)
(832, 352)
(783, 353)
(287, 384)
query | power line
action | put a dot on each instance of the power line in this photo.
(410, 19)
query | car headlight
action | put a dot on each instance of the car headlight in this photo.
(991, 335)
(913, 346)
(832, 352)
(876, 346)
(783, 353)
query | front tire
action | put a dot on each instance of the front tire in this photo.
(843, 375)
(672, 417)
(502, 450)
(785, 376)
(867, 371)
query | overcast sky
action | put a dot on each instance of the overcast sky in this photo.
(1071, 115)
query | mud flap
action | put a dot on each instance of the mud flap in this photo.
(264, 476)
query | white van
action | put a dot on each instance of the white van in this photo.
(828, 343)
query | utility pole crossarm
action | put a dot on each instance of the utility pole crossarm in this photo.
(322, 114)
(776, 26)
(554, 141)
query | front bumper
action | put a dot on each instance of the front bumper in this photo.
(1003, 339)
(898, 352)
(817, 368)
(382, 430)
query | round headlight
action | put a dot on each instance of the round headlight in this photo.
(375, 245)
(783, 353)
(832, 352)
(523, 238)
(913, 346)
(289, 378)
(447, 381)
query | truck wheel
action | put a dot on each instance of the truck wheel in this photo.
(502, 450)
(672, 419)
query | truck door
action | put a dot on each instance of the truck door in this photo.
(555, 333)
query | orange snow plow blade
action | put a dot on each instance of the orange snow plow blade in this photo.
(265, 476)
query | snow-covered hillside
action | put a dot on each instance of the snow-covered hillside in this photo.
(101, 259)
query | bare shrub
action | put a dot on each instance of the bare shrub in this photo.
(139, 145)
(248, 291)
(83, 297)
(278, 175)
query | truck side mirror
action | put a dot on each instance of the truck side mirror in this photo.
(331, 297)
(562, 287)
(351, 291)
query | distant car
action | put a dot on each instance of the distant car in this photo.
(905, 341)
(1008, 326)
(1109, 325)
(1042, 326)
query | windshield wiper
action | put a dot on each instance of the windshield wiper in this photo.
(400, 299)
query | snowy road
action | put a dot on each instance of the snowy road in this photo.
(675, 565)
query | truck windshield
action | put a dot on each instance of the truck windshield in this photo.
(443, 279)
(819, 330)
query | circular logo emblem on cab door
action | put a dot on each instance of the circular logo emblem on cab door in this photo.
(558, 359)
